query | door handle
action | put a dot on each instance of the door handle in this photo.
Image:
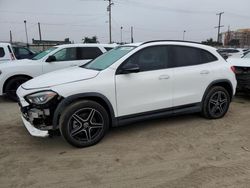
(164, 77)
(204, 72)
(73, 65)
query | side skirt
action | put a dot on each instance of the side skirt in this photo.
(186, 109)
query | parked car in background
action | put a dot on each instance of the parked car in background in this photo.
(242, 70)
(12, 75)
(231, 52)
(129, 83)
(6, 53)
(23, 52)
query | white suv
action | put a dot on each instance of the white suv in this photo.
(129, 83)
(12, 75)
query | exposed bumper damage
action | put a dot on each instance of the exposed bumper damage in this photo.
(38, 120)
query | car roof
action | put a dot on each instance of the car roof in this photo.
(87, 45)
(172, 42)
(4, 44)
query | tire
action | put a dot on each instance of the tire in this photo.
(84, 123)
(12, 86)
(216, 103)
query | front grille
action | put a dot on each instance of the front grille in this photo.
(243, 77)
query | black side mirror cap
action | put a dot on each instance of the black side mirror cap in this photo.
(129, 68)
(51, 59)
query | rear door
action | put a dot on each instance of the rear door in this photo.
(192, 73)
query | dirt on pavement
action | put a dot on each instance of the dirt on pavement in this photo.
(184, 151)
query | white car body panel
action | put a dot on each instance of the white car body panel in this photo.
(144, 91)
(240, 62)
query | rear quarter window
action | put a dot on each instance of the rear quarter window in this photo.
(88, 52)
(189, 56)
(2, 53)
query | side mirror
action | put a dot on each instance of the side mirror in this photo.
(129, 68)
(51, 59)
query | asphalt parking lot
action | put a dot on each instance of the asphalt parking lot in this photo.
(184, 151)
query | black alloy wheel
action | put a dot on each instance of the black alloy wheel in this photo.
(84, 123)
(216, 103)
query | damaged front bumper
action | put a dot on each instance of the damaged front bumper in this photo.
(34, 131)
(38, 120)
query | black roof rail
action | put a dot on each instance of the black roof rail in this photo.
(170, 41)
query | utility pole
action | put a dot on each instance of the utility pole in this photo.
(121, 34)
(184, 34)
(10, 37)
(39, 29)
(219, 26)
(40, 34)
(132, 34)
(27, 40)
(110, 17)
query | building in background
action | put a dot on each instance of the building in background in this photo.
(239, 38)
(40, 45)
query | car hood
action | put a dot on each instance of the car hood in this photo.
(239, 62)
(59, 77)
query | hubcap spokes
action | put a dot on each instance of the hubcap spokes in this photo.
(86, 124)
(218, 103)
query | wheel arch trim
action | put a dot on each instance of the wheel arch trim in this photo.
(68, 100)
(220, 81)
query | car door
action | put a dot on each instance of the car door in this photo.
(86, 54)
(192, 74)
(63, 58)
(148, 90)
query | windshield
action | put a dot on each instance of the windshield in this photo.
(247, 55)
(108, 58)
(43, 53)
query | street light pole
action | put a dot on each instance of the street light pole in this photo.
(27, 40)
(121, 34)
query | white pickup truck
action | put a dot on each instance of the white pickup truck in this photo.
(6, 52)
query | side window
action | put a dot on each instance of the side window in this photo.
(185, 56)
(66, 54)
(2, 53)
(207, 57)
(151, 58)
(23, 51)
(88, 53)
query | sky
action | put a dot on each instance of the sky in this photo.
(151, 20)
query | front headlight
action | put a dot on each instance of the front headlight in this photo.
(41, 98)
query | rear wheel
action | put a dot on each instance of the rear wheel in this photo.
(12, 86)
(84, 123)
(216, 103)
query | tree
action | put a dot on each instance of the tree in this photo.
(211, 42)
(90, 40)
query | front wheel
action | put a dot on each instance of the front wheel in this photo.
(216, 103)
(84, 123)
(12, 86)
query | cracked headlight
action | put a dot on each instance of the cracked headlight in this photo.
(40, 98)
